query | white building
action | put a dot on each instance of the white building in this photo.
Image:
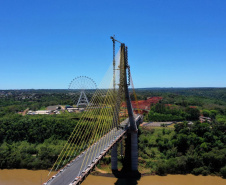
(42, 112)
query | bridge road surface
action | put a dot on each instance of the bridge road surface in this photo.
(93, 153)
(73, 169)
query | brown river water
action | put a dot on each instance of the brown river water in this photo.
(29, 177)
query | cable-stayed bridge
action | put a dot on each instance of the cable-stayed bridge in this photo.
(101, 127)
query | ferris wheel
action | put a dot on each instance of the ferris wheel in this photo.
(82, 87)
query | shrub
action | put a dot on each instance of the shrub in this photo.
(223, 172)
(201, 170)
(161, 169)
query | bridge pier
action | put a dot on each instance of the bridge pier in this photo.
(130, 160)
(134, 151)
(131, 153)
(114, 158)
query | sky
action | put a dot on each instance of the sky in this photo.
(44, 44)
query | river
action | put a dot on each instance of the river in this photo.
(29, 177)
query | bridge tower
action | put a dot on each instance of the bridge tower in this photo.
(131, 153)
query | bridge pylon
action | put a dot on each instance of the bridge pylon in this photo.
(130, 164)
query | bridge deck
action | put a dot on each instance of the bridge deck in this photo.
(77, 169)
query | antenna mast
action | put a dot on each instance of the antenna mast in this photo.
(113, 40)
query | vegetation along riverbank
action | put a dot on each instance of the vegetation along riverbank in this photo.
(194, 141)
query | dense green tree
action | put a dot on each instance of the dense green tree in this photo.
(193, 113)
(223, 172)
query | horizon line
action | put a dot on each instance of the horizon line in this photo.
(108, 88)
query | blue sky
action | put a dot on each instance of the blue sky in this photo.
(172, 43)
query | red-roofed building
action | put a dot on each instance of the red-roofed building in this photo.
(143, 105)
(193, 107)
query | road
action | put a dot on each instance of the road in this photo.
(82, 164)
(93, 153)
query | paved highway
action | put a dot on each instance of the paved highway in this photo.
(82, 162)
(81, 165)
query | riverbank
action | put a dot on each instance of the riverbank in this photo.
(103, 173)
(36, 177)
(157, 180)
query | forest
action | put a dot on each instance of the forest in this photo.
(198, 149)
(35, 141)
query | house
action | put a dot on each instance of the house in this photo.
(54, 107)
(42, 112)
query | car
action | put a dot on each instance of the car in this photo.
(87, 169)
(77, 178)
(89, 166)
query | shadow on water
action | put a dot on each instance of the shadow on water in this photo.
(126, 182)
(127, 177)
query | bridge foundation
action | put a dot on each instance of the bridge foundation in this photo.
(134, 151)
(130, 160)
(114, 158)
